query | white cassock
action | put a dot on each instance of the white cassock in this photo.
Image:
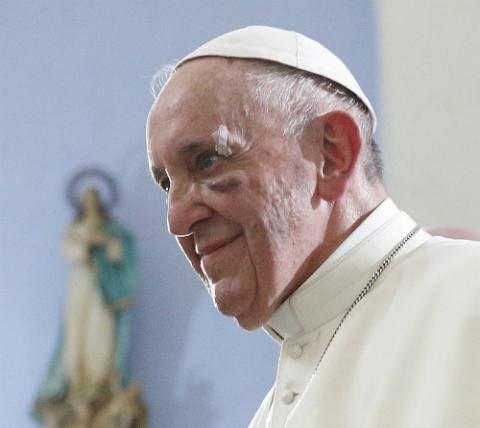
(407, 356)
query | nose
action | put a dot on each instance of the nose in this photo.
(186, 206)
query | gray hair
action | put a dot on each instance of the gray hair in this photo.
(160, 78)
(299, 97)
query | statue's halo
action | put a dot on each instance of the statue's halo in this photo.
(92, 177)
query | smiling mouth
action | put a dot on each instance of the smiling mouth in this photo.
(207, 250)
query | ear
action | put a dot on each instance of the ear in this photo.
(340, 142)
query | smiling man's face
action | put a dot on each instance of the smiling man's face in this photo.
(244, 220)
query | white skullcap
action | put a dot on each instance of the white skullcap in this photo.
(284, 47)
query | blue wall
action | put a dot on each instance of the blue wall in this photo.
(74, 79)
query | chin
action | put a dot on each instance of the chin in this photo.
(232, 298)
(248, 323)
(242, 313)
(229, 307)
(253, 319)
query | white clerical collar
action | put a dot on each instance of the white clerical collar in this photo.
(335, 284)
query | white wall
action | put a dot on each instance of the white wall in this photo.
(430, 61)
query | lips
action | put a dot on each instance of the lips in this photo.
(211, 247)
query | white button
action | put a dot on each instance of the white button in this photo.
(288, 397)
(295, 351)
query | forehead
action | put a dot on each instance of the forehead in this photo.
(203, 94)
(201, 88)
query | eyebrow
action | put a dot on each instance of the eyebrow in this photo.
(194, 148)
(187, 150)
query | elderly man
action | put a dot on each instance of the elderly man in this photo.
(263, 141)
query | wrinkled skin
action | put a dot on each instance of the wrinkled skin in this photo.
(252, 224)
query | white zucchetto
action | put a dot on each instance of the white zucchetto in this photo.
(284, 47)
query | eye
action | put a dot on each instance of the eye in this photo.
(165, 183)
(206, 160)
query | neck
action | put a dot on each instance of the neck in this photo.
(348, 212)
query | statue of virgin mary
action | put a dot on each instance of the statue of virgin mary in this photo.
(89, 368)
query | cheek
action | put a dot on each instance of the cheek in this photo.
(276, 232)
(285, 203)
